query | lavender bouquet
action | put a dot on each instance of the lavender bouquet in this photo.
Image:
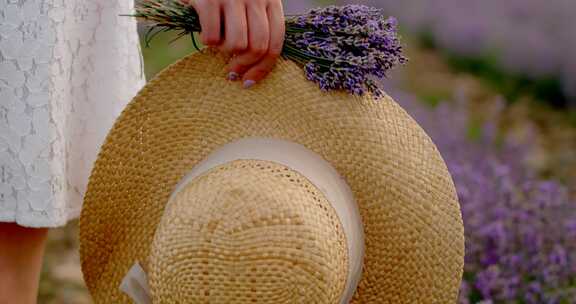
(347, 47)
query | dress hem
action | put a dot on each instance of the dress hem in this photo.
(39, 221)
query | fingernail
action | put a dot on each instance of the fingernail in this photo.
(233, 76)
(248, 83)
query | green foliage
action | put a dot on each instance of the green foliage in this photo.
(163, 51)
(572, 117)
(432, 99)
(474, 130)
(426, 41)
(511, 85)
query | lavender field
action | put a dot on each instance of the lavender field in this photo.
(513, 161)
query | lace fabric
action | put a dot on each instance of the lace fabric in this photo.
(67, 69)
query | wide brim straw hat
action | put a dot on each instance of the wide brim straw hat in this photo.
(246, 228)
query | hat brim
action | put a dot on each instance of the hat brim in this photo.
(412, 222)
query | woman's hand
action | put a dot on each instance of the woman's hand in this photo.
(252, 30)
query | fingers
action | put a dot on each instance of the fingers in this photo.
(259, 70)
(210, 15)
(253, 30)
(277, 28)
(236, 27)
(258, 38)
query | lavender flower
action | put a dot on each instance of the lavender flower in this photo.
(340, 48)
(343, 47)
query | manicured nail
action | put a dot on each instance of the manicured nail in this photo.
(248, 83)
(233, 76)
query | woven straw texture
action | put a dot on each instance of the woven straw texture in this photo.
(407, 200)
(249, 232)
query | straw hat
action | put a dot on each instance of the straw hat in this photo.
(280, 193)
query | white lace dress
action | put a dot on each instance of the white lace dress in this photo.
(67, 69)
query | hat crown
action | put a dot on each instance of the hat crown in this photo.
(249, 230)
